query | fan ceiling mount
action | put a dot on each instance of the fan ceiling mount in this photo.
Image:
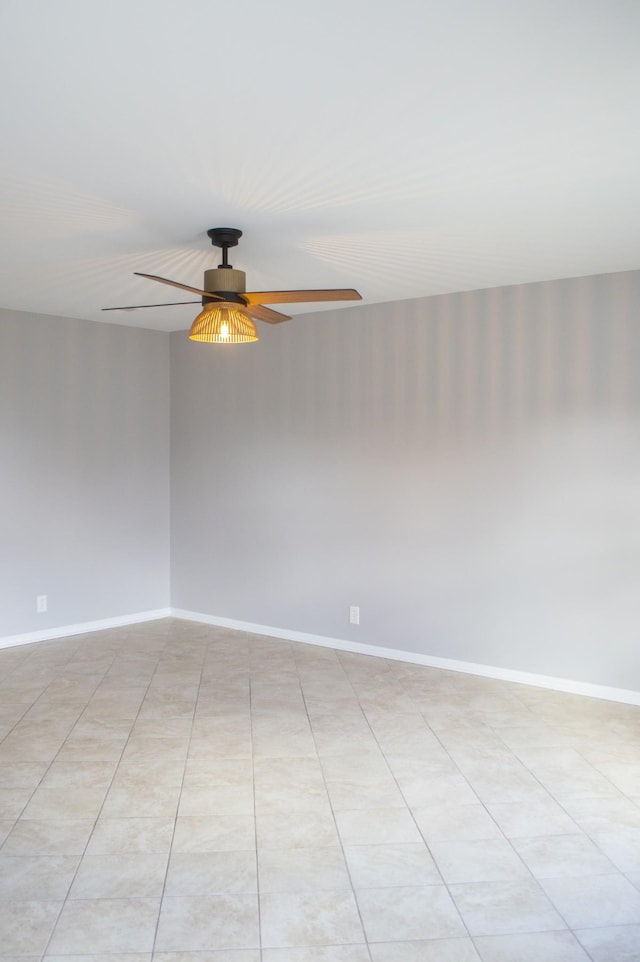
(224, 288)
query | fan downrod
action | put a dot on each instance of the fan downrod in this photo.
(224, 237)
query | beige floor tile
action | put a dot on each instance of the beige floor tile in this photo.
(377, 827)
(602, 814)
(575, 780)
(502, 908)
(213, 703)
(165, 727)
(361, 791)
(167, 748)
(360, 782)
(307, 919)
(158, 703)
(224, 772)
(417, 744)
(221, 746)
(364, 767)
(486, 860)
(532, 947)
(278, 799)
(381, 866)
(144, 800)
(318, 953)
(294, 771)
(224, 955)
(425, 780)
(100, 926)
(79, 776)
(403, 914)
(23, 747)
(136, 771)
(197, 924)
(59, 803)
(36, 877)
(344, 743)
(131, 876)
(13, 801)
(90, 747)
(625, 776)
(436, 950)
(111, 957)
(594, 901)
(282, 723)
(447, 823)
(276, 698)
(436, 762)
(377, 699)
(208, 833)
(511, 786)
(211, 873)
(302, 870)
(289, 784)
(611, 944)
(489, 756)
(539, 817)
(558, 856)
(48, 837)
(6, 825)
(535, 734)
(622, 848)
(284, 746)
(215, 798)
(228, 724)
(297, 830)
(389, 724)
(25, 926)
(120, 836)
(430, 790)
(331, 701)
(18, 774)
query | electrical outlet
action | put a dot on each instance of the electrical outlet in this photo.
(354, 615)
(41, 603)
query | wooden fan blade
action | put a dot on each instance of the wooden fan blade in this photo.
(137, 307)
(300, 297)
(182, 287)
(265, 314)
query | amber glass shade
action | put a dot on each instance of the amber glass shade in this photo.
(223, 323)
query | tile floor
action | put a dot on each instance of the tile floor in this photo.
(201, 795)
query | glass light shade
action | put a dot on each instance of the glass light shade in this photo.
(223, 323)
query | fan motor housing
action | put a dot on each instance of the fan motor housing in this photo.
(226, 280)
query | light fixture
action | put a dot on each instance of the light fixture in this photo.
(222, 322)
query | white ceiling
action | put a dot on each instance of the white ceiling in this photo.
(405, 148)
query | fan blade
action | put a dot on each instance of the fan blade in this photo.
(182, 287)
(265, 314)
(137, 307)
(300, 297)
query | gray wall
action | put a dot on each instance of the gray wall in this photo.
(84, 490)
(465, 468)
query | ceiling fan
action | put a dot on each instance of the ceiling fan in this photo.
(227, 308)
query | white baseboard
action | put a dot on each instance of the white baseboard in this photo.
(623, 695)
(64, 631)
